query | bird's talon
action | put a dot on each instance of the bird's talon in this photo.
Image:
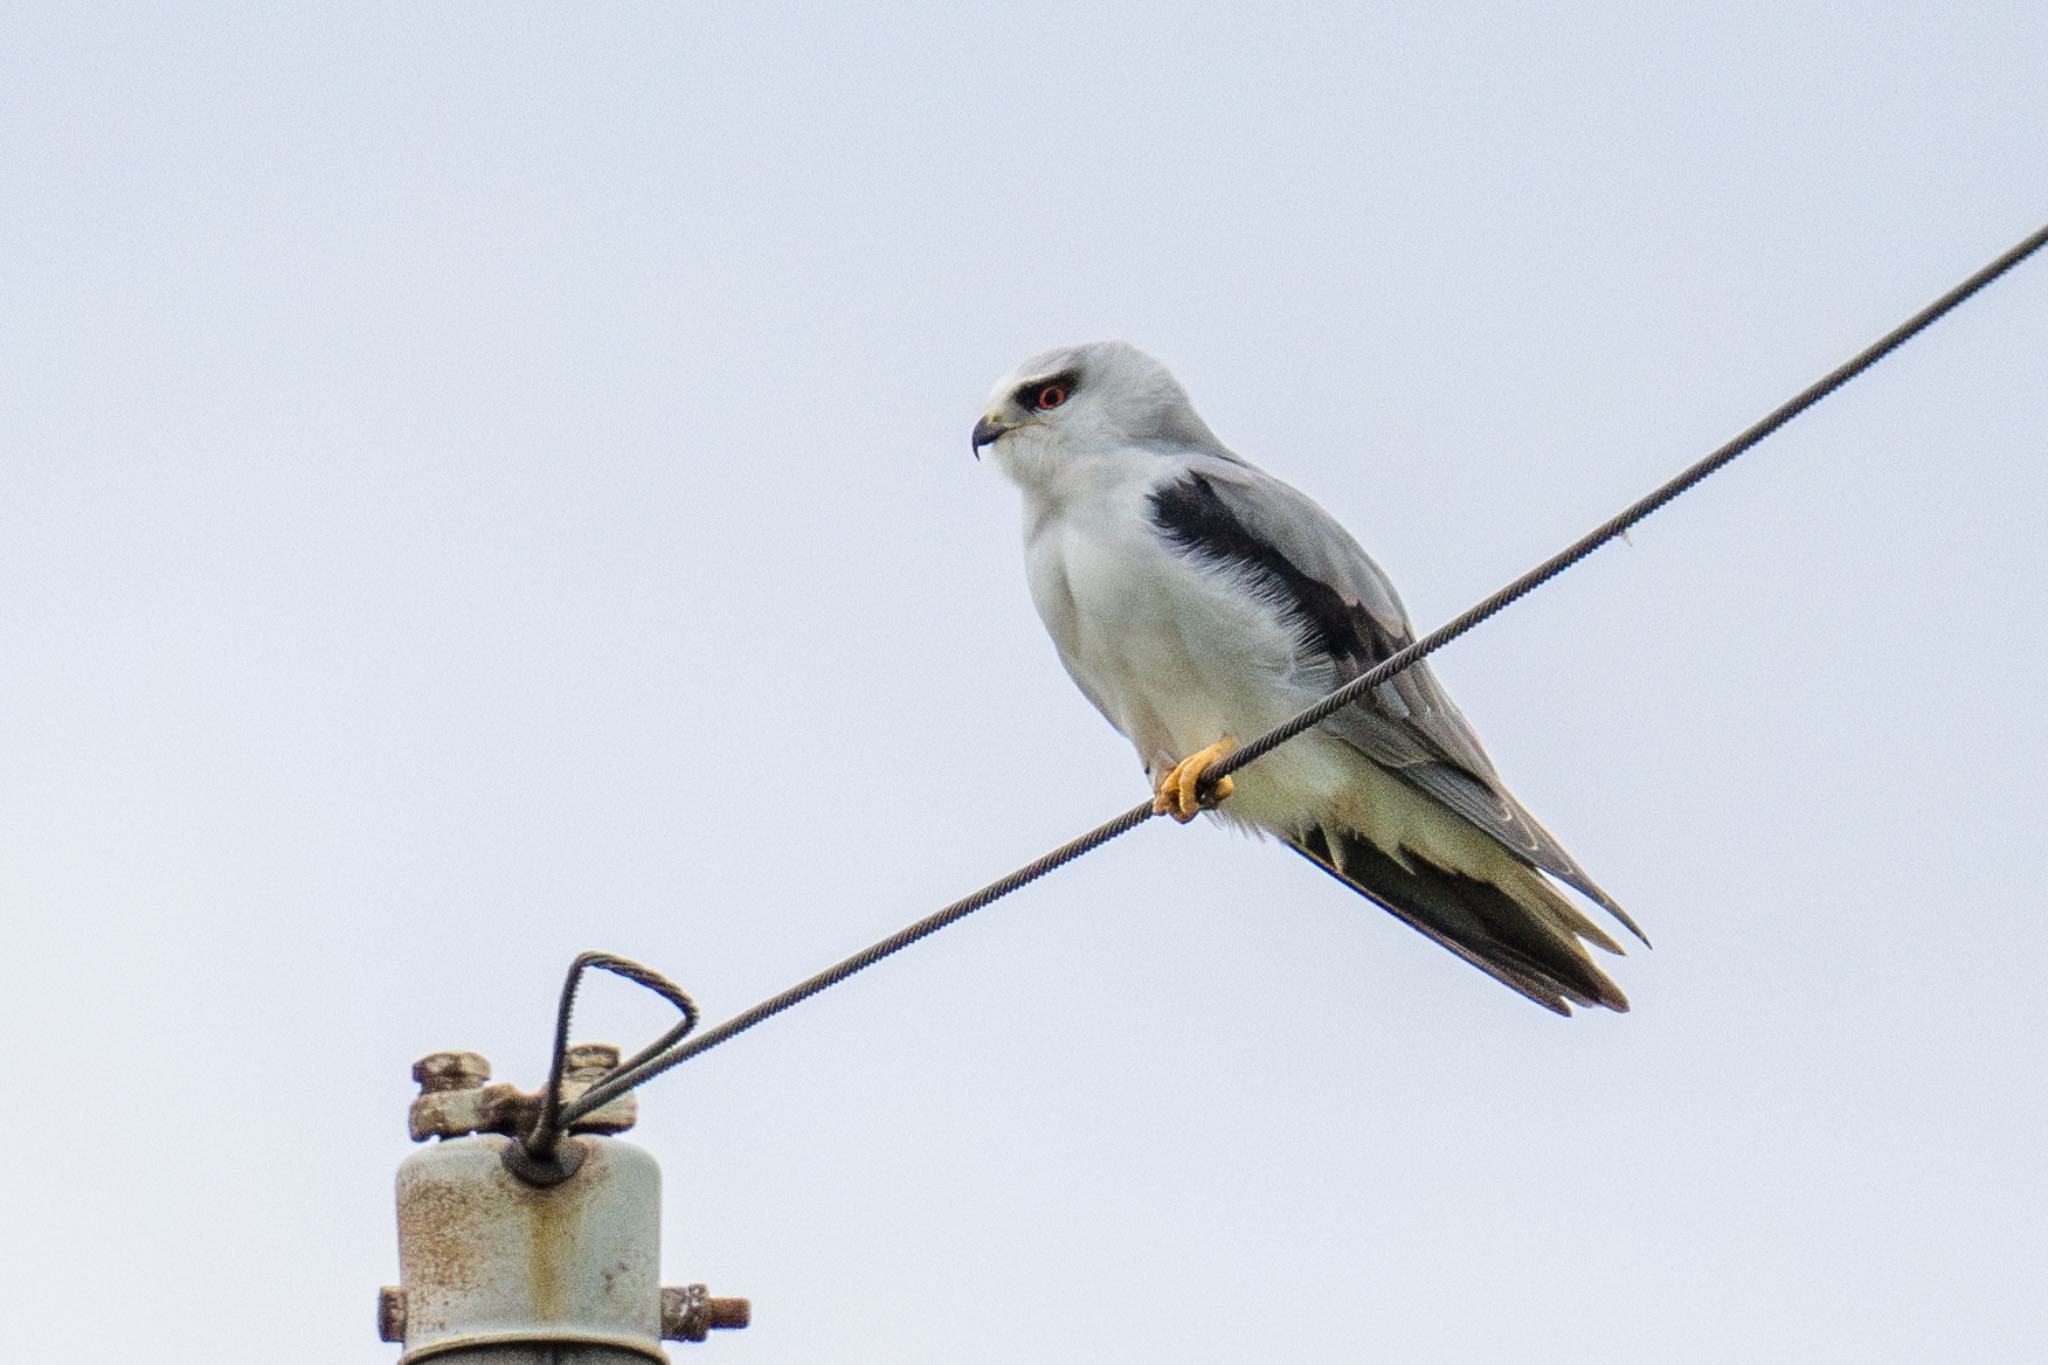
(1182, 794)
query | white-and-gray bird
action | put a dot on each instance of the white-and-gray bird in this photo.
(1199, 601)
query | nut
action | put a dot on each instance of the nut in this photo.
(438, 1071)
(391, 1313)
(450, 1102)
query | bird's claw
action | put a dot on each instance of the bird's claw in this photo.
(1182, 793)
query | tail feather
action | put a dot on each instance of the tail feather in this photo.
(1524, 934)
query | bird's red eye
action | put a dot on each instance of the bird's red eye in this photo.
(1049, 397)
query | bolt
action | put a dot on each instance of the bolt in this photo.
(727, 1314)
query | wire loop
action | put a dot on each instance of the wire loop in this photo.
(555, 1118)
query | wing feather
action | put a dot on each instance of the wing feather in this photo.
(1351, 618)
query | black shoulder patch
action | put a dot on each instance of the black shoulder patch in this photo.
(1196, 521)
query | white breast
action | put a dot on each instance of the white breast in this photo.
(1175, 654)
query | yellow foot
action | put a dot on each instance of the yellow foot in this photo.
(1179, 793)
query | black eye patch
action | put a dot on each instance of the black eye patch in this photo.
(1043, 395)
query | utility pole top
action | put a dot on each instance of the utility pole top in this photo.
(497, 1267)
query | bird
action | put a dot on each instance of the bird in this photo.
(1197, 601)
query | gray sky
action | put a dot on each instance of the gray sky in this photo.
(480, 482)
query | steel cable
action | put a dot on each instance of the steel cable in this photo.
(1621, 522)
(658, 1058)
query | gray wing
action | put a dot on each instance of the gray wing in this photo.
(1230, 512)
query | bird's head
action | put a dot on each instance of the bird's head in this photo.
(1104, 399)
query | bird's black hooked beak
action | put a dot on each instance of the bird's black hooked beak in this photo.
(986, 431)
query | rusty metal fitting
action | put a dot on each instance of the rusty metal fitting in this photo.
(584, 1065)
(438, 1071)
(587, 1061)
(391, 1313)
(457, 1096)
(451, 1098)
(489, 1262)
(501, 1252)
(689, 1313)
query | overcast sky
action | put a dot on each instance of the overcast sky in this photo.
(479, 482)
